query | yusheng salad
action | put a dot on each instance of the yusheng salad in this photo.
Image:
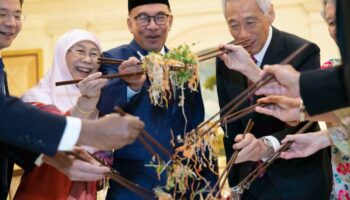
(177, 67)
(198, 152)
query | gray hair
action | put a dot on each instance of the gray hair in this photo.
(325, 2)
(264, 5)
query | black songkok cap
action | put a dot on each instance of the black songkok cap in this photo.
(135, 3)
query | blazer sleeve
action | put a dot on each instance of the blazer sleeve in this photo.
(323, 90)
(308, 61)
(27, 127)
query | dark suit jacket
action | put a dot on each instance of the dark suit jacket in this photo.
(285, 179)
(24, 128)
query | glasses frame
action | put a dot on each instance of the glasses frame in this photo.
(154, 17)
(87, 53)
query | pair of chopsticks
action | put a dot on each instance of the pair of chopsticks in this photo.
(246, 94)
(223, 177)
(246, 182)
(217, 52)
(144, 136)
(115, 176)
(110, 76)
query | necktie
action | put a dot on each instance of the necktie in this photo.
(2, 79)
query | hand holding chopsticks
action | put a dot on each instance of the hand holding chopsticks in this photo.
(113, 174)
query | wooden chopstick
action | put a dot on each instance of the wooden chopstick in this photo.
(114, 175)
(147, 136)
(232, 160)
(245, 183)
(109, 61)
(219, 49)
(219, 52)
(110, 76)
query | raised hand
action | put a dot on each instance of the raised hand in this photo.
(132, 65)
(75, 169)
(110, 132)
(305, 144)
(238, 59)
(251, 148)
(281, 107)
(287, 81)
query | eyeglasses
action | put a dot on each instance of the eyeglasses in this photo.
(159, 19)
(81, 53)
(17, 16)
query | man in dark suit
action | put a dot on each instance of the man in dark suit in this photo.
(24, 128)
(297, 179)
(149, 21)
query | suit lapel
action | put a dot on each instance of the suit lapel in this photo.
(6, 84)
(274, 51)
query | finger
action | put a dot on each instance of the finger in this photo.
(87, 167)
(245, 142)
(289, 138)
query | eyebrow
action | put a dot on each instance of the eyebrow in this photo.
(6, 10)
(158, 13)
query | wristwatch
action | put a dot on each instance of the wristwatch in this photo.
(269, 146)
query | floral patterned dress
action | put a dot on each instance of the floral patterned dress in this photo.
(340, 156)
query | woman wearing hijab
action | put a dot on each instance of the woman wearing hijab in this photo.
(75, 57)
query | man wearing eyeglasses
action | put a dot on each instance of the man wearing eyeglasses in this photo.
(149, 21)
(25, 131)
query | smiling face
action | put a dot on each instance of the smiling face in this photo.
(247, 21)
(151, 37)
(10, 25)
(81, 59)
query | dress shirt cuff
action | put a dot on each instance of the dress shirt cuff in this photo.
(70, 135)
(275, 144)
(39, 161)
(131, 93)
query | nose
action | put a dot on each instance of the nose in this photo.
(87, 58)
(244, 33)
(152, 24)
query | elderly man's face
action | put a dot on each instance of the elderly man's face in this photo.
(246, 21)
(152, 36)
(10, 21)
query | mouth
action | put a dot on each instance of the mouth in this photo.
(7, 34)
(84, 70)
(153, 37)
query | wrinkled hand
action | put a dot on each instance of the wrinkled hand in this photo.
(132, 65)
(305, 144)
(251, 148)
(287, 81)
(239, 60)
(283, 108)
(90, 87)
(77, 170)
(110, 132)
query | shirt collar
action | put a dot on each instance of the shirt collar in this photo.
(260, 56)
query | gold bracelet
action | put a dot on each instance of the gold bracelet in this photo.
(83, 111)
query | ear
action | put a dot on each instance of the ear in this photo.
(129, 24)
(171, 18)
(271, 14)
